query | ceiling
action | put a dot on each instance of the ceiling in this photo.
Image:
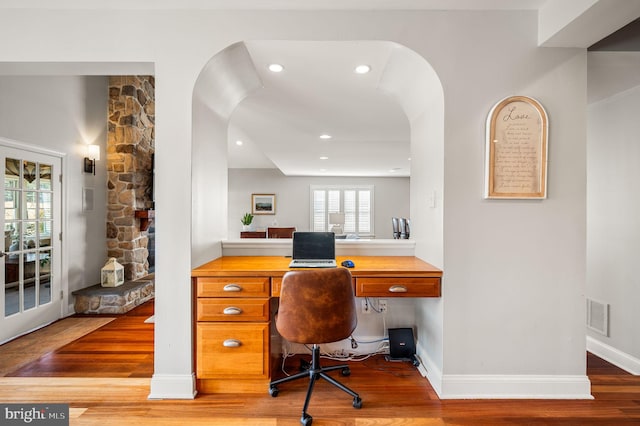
(319, 93)
(276, 4)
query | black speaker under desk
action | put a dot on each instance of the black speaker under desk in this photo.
(402, 346)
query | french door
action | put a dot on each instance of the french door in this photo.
(30, 256)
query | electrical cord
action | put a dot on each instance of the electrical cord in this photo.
(286, 354)
(382, 348)
(369, 303)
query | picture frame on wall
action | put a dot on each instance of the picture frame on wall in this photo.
(516, 150)
(263, 204)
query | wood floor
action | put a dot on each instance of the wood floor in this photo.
(105, 378)
(122, 348)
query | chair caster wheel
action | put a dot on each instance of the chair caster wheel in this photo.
(306, 420)
(273, 391)
(346, 372)
(357, 402)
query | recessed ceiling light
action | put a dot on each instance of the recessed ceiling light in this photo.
(325, 136)
(324, 157)
(239, 143)
(276, 68)
(362, 69)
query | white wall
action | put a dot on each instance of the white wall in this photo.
(415, 85)
(292, 198)
(513, 304)
(613, 228)
(62, 114)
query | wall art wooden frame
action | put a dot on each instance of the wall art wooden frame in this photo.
(263, 204)
(516, 149)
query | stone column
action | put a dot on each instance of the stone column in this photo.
(130, 148)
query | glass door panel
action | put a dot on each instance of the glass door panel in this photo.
(45, 177)
(30, 288)
(28, 228)
(44, 274)
(29, 175)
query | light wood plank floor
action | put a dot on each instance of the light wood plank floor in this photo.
(105, 378)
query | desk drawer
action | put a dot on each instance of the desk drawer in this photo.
(225, 309)
(398, 287)
(276, 286)
(228, 350)
(232, 286)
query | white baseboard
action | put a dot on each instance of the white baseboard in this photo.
(471, 386)
(429, 370)
(616, 357)
(173, 386)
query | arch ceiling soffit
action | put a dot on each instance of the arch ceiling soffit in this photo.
(403, 77)
(227, 79)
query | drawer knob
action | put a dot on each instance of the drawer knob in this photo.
(398, 289)
(232, 287)
(232, 343)
(232, 310)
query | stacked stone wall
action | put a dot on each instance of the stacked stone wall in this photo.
(130, 148)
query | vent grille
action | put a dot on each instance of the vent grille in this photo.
(598, 316)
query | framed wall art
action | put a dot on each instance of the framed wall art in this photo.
(516, 149)
(263, 203)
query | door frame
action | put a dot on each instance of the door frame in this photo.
(66, 308)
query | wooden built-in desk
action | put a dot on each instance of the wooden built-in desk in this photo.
(235, 298)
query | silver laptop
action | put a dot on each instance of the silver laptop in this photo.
(313, 250)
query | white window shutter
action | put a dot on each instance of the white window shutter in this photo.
(319, 210)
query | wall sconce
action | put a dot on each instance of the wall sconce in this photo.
(92, 155)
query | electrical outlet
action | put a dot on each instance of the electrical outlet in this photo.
(382, 306)
(366, 309)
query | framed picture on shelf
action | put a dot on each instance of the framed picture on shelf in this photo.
(263, 203)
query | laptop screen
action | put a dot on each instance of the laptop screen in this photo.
(314, 245)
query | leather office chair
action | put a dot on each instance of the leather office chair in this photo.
(316, 306)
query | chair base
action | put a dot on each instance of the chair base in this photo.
(316, 372)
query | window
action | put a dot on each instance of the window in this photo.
(356, 202)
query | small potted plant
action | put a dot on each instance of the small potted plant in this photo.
(246, 221)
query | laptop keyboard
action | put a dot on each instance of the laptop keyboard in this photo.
(311, 263)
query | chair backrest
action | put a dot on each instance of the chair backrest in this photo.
(317, 306)
(281, 232)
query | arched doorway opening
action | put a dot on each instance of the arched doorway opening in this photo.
(230, 78)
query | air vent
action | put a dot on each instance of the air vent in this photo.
(598, 316)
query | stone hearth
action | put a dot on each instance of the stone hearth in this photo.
(114, 300)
